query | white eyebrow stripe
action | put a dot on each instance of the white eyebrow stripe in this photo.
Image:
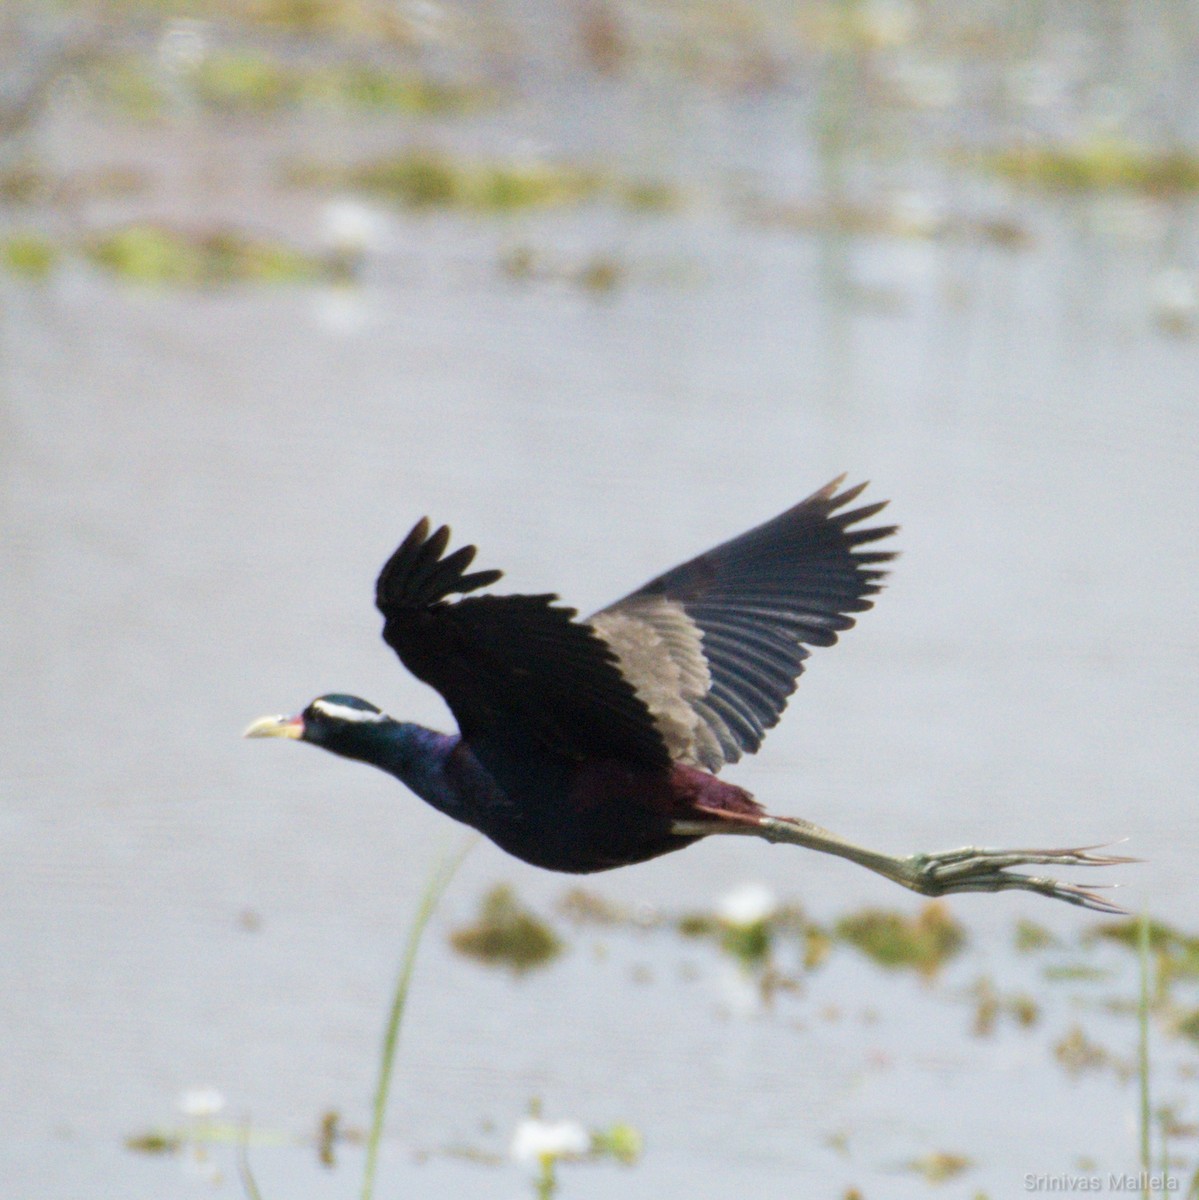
(343, 712)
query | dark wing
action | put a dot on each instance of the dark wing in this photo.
(715, 646)
(515, 670)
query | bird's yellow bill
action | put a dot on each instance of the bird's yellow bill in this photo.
(283, 727)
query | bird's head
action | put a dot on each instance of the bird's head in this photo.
(343, 724)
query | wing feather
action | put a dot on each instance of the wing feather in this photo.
(516, 671)
(736, 623)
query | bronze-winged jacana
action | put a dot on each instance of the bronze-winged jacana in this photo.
(587, 745)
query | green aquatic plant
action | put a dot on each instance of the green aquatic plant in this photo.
(165, 255)
(1080, 1054)
(1101, 164)
(30, 255)
(1143, 943)
(894, 940)
(583, 907)
(251, 82)
(599, 275)
(938, 1166)
(1030, 936)
(425, 178)
(154, 1141)
(1175, 954)
(244, 81)
(990, 1005)
(542, 1145)
(365, 86)
(507, 934)
(621, 1142)
(23, 183)
(439, 879)
(745, 921)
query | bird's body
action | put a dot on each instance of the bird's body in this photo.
(575, 817)
(588, 745)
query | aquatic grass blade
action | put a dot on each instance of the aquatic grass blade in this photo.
(245, 1173)
(1143, 1046)
(439, 880)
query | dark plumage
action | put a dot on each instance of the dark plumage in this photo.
(586, 745)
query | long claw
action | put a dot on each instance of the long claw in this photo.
(971, 869)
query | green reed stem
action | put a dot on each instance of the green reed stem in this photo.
(1143, 1048)
(439, 880)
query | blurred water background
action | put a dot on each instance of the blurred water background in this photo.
(600, 283)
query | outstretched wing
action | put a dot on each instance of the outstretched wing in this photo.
(715, 646)
(513, 669)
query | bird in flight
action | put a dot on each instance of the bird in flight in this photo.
(588, 745)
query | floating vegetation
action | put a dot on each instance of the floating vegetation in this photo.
(746, 923)
(1103, 164)
(907, 216)
(248, 82)
(940, 1166)
(427, 179)
(162, 254)
(648, 196)
(1176, 953)
(542, 1145)
(328, 1134)
(622, 1143)
(585, 907)
(746, 917)
(30, 255)
(363, 18)
(23, 183)
(26, 184)
(1030, 936)
(154, 1142)
(1079, 1054)
(507, 934)
(1076, 972)
(749, 944)
(990, 1006)
(895, 940)
(369, 87)
(431, 179)
(602, 273)
(1187, 1024)
(242, 81)
(172, 256)
(817, 945)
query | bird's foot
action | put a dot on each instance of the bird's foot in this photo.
(971, 869)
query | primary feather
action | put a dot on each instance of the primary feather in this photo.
(715, 646)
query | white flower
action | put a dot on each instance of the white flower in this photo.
(888, 22)
(183, 45)
(200, 1102)
(535, 1141)
(351, 226)
(1174, 299)
(747, 905)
